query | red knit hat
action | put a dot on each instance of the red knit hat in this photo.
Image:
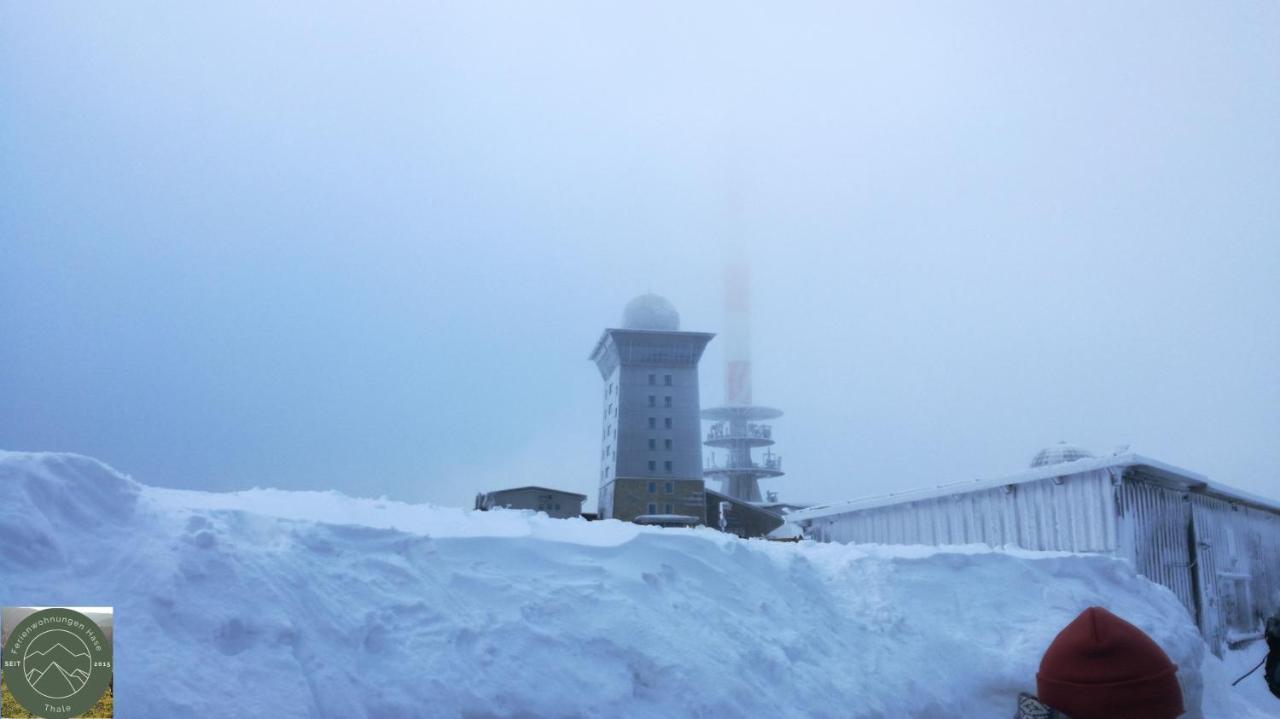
(1102, 667)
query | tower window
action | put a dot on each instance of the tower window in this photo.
(667, 422)
(668, 488)
(653, 423)
(652, 465)
(666, 380)
(666, 444)
(668, 509)
(653, 379)
(667, 466)
(653, 401)
(666, 401)
(653, 487)
(653, 444)
(653, 508)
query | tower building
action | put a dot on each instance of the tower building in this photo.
(738, 426)
(650, 449)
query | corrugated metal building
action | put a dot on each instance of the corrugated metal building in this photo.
(1216, 548)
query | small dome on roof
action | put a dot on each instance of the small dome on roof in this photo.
(650, 312)
(1060, 453)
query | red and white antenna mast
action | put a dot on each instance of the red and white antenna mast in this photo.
(737, 328)
(737, 426)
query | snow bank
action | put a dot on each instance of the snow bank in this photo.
(270, 603)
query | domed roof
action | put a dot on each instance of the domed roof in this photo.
(1060, 453)
(650, 312)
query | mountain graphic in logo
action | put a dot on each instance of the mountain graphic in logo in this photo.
(57, 682)
(53, 668)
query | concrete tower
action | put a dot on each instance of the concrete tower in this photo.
(738, 425)
(650, 452)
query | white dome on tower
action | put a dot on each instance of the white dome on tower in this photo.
(1060, 453)
(650, 312)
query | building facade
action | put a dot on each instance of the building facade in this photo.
(1216, 548)
(650, 449)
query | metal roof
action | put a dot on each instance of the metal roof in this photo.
(1161, 472)
(541, 489)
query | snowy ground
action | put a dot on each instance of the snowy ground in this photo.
(269, 603)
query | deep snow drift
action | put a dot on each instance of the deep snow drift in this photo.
(268, 603)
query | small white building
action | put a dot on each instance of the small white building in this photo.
(1216, 548)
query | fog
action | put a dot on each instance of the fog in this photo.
(368, 247)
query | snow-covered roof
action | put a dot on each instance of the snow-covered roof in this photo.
(1161, 471)
(538, 488)
(665, 519)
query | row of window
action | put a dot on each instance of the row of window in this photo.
(653, 467)
(612, 432)
(612, 411)
(667, 487)
(606, 452)
(653, 508)
(653, 382)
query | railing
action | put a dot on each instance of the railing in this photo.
(721, 430)
(771, 462)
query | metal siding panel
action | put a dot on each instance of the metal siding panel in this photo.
(1101, 511)
(1211, 624)
(1264, 548)
(1060, 496)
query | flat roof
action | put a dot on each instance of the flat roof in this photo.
(1166, 473)
(708, 336)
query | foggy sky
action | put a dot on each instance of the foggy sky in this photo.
(368, 247)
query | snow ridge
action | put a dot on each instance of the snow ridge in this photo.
(372, 608)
